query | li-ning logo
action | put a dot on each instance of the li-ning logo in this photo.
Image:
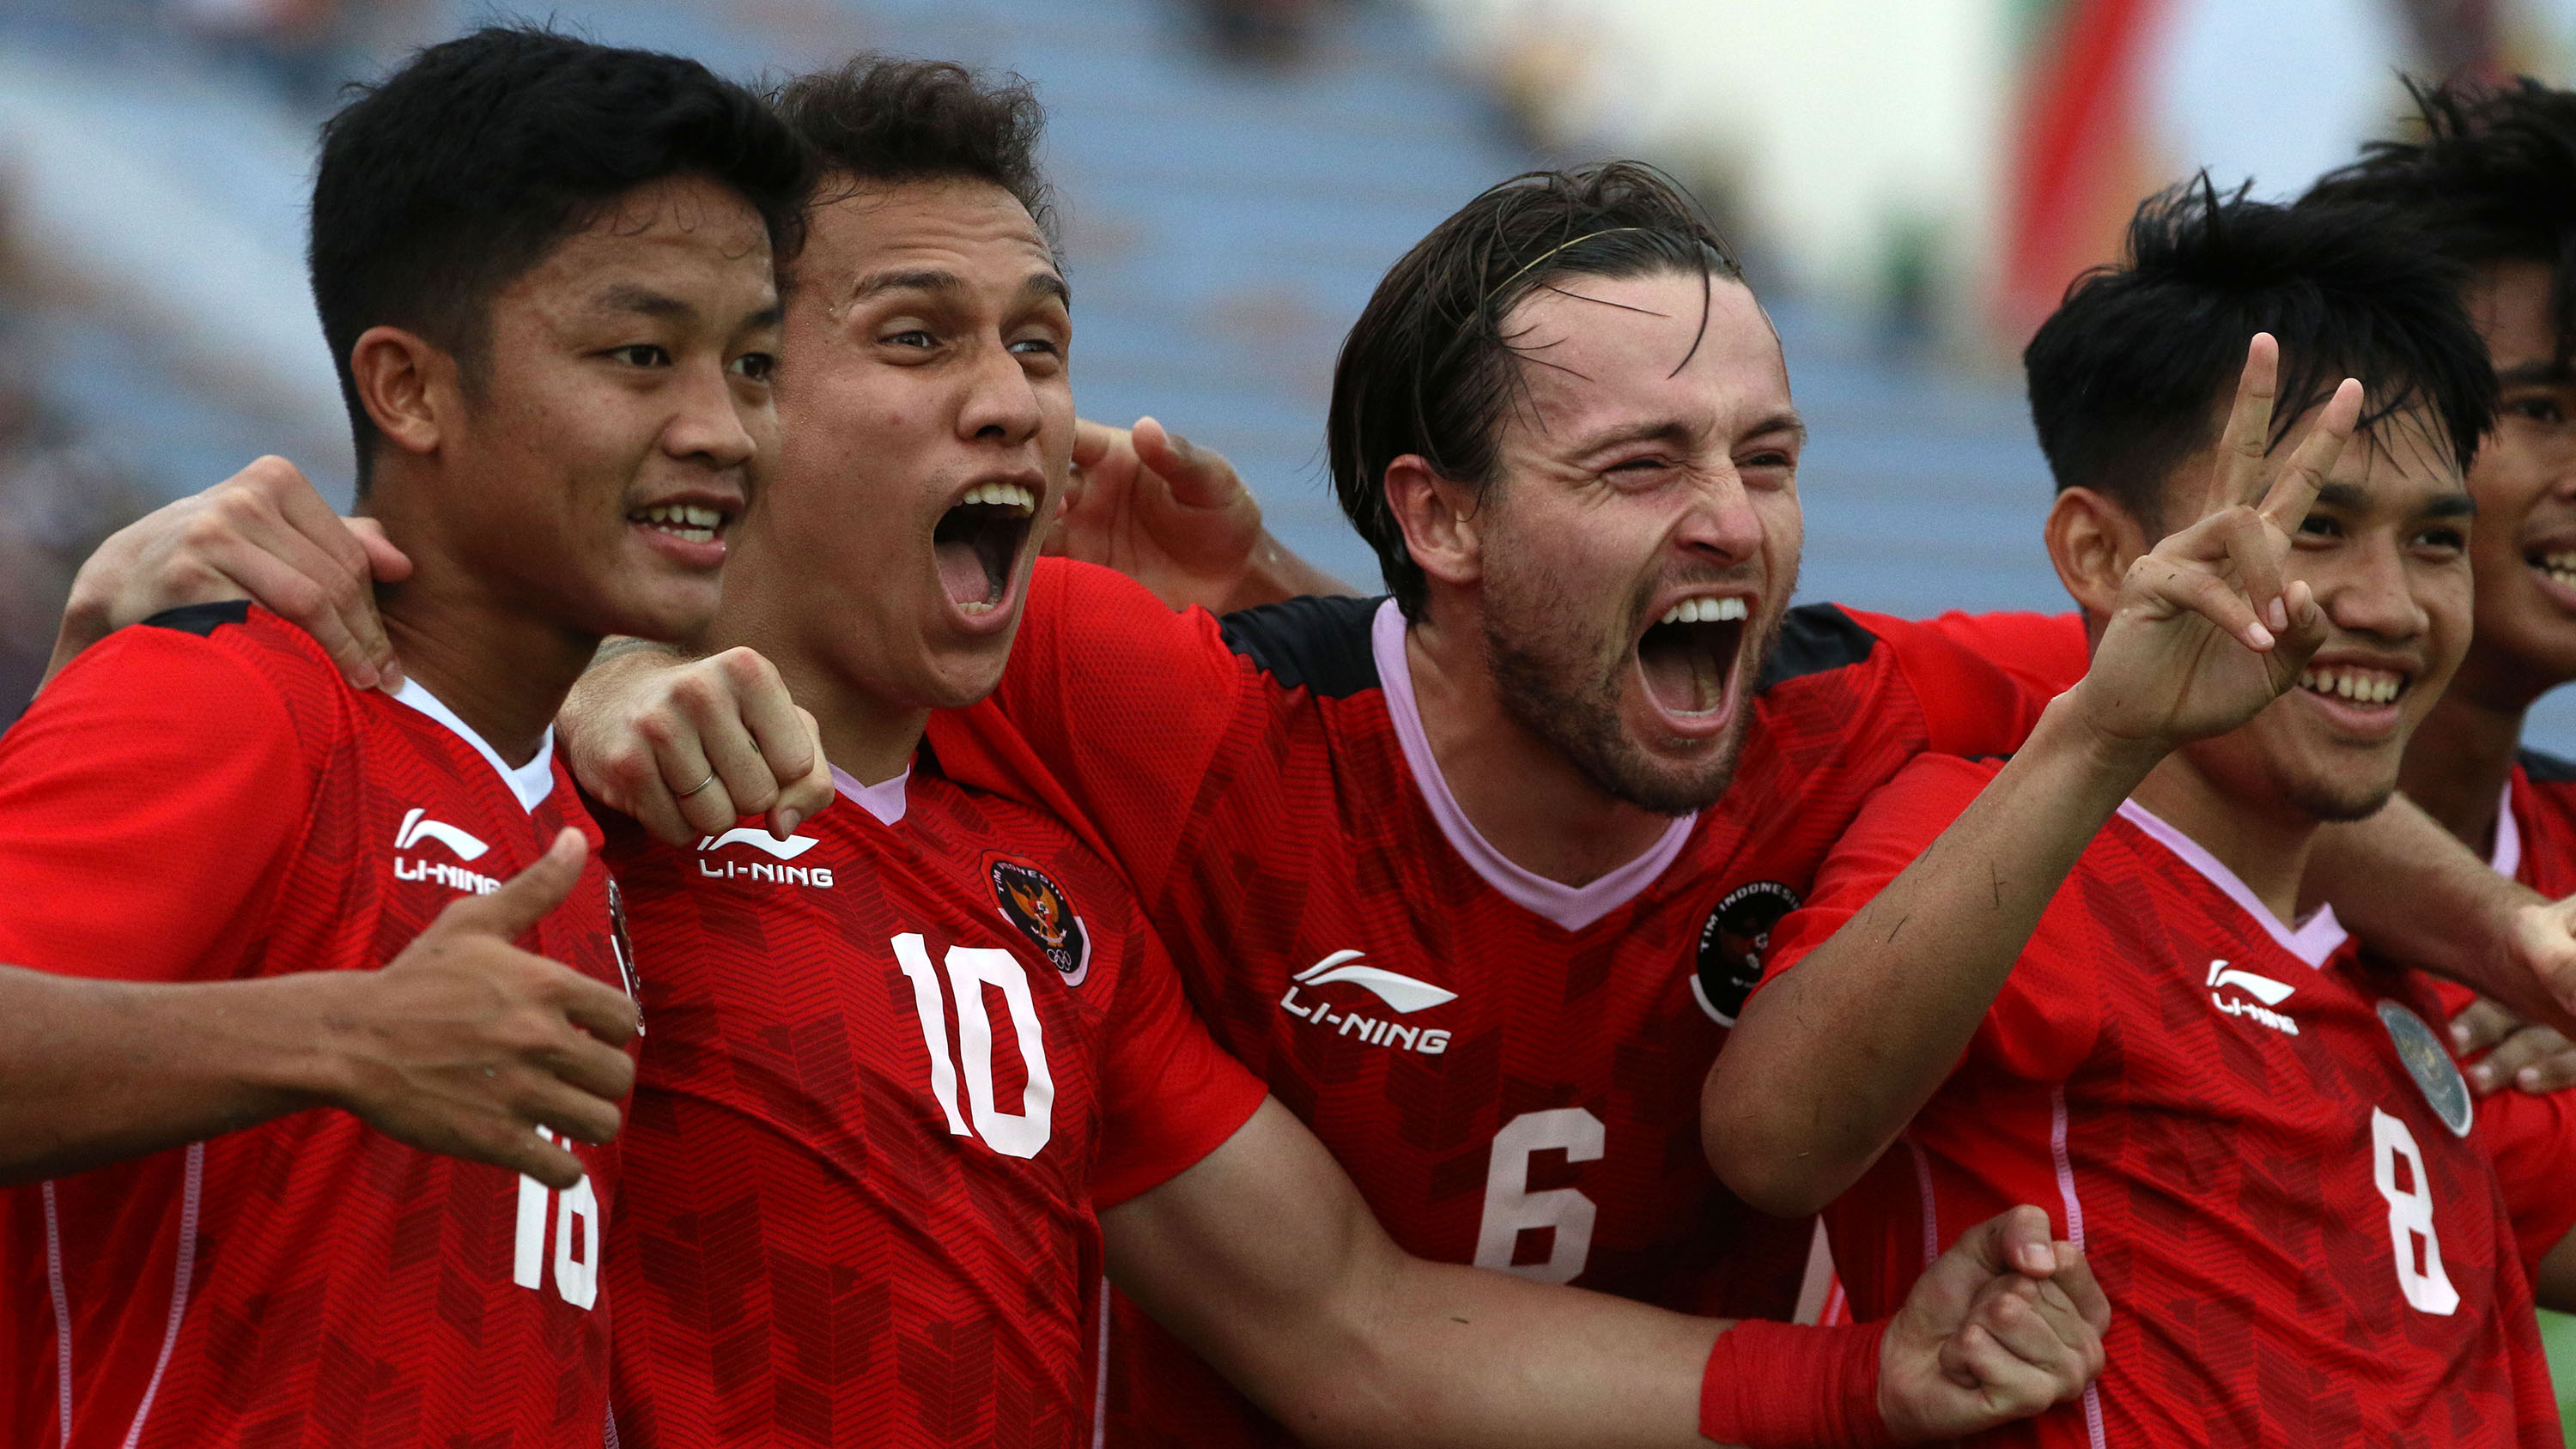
(782, 851)
(2266, 991)
(416, 828)
(1402, 994)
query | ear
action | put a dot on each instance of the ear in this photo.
(2092, 541)
(407, 384)
(1439, 518)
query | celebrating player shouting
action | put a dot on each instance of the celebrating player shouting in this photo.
(2083, 973)
(545, 270)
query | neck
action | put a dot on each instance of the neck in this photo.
(2267, 848)
(2457, 763)
(869, 737)
(502, 667)
(1520, 792)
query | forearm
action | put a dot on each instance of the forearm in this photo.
(1274, 573)
(1829, 1062)
(95, 1072)
(2412, 892)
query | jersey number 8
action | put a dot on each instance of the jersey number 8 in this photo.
(2410, 1214)
(970, 969)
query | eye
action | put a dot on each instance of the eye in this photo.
(1036, 347)
(912, 337)
(2443, 537)
(2536, 409)
(642, 354)
(756, 366)
(2320, 526)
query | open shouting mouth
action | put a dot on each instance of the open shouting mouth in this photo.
(977, 542)
(1688, 658)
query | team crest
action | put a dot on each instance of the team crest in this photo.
(624, 947)
(1733, 943)
(2430, 1064)
(1031, 900)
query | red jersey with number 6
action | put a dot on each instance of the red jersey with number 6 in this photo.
(201, 799)
(1508, 1067)
(893, 1064)
(2260, 1142)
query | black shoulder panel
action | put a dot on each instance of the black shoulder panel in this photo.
(1813, 639)
(1313, 643)
(2548, 769)
(201, 619)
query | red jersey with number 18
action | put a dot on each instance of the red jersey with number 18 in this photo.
(2261, 1144)
(894, 1062)
(200, 798)
(1508, 1067)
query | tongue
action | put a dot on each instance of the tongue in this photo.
(1681, 676)
(961, 572)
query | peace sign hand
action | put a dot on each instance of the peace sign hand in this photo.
(2205, 632)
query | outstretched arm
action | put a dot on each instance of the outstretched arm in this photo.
(1830, 1061)
(1265, 1259)
(462, 1044)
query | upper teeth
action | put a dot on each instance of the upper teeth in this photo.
(1705, 611)
(1004, 495)
(2362, 686)
(2561, 564)
(687, 515)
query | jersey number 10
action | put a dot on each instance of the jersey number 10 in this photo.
(575, 1219)
(1023, 1133)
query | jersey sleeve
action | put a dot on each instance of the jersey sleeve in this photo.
(2532, 1141)
(150, 799)
(2044, 1019)
(1169, 1095)
(1109, 713)
(2044, 653)
(1970, 703)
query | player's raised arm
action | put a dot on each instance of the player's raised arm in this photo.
(463, 1045)
(1174, 517)
(1828, 1064)
(1264, 1257)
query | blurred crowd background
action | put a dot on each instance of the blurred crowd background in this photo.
(1912, 182)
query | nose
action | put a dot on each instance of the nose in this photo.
(2369, 593)
(1721, 525)
(1001, 404)
(715, 423)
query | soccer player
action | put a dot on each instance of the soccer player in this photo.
(545, 271)
(2083, 972)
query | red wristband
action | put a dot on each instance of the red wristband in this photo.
(1783, 1386)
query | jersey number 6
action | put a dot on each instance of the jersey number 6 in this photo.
(1511, 1209)
(970, 969)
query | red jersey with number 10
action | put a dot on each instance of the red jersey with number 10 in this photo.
(895, 1062)
(2261, 1145)
(200, 798)
(1509, 1068)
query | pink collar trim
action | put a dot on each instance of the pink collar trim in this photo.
(2507, 857)
(1570, 907)
(884, 799)
(2317, 937)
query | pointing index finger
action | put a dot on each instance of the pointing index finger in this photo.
(2239, 469)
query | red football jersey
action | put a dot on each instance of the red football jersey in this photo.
(1509, 1068)
(202, 799)
(2260, 1143)
(892, 1065)
(2535, 843)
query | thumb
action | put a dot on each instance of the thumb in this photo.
(390, 564)
(2017, 1241)
(524, 899)
(1198, 477)
(1091, 442)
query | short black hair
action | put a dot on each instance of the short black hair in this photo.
(885, 119)
(453, 176)
(1428, 368)
(2134, 370)
(2493, 176)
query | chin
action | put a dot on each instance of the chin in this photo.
(2334, 797)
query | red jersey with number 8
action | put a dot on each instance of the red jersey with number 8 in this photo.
(894, 1063)
(2260, 1142)
(1508, 1067)
(201, 798)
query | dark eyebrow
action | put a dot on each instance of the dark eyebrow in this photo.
(923, 280)
(1048, 284)
(2535, 374)
(628, 297)
(2354, 497)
